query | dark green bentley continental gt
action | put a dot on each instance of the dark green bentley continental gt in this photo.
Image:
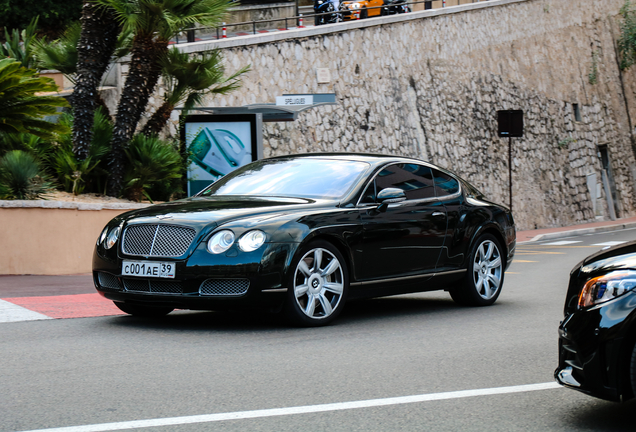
(303, 234)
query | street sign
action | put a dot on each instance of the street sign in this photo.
(293, 100)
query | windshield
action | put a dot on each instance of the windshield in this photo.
(300, 177)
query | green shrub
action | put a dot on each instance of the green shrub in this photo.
(21, 177)
(79, 176)
(153, 164)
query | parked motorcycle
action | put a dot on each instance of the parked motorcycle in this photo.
(392, 7)
(325, 6)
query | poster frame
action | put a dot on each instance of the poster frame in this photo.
(255, 121)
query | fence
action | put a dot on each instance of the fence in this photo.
(302, 20)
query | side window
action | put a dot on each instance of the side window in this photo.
(415, 180)
(445, 184)
(368, 197)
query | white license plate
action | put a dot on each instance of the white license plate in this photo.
(148, 269)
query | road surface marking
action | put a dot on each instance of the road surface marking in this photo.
(64, 306)
(609, 243)
(10, 312)
(274, 412)
(538, 252)
(524, 261)
(562, 243)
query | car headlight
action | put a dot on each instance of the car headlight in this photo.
(252, 241)
(604, 288)
(102, 236)
(221, 241)
(112, 237)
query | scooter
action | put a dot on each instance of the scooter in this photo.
(392, 7)
(324, 6)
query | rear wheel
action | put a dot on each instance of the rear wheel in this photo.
(318, 285)
(482, 284)
(143, 311)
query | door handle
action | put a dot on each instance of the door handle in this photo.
(438, 214)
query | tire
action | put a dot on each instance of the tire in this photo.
(317, 21)
(364, 13)
(485, 276)
(143, 311)
(318, 285)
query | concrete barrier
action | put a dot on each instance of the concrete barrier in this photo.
(52, 237)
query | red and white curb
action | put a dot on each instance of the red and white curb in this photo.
(10, 312)
(15, 309)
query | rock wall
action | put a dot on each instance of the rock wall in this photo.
(428, 84)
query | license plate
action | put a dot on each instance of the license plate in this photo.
(148, 269)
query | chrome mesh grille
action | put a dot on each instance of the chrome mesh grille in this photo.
(224, 287)
(157, 240)
(107, 280)
(141, 285)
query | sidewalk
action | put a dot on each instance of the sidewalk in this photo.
(588, 228)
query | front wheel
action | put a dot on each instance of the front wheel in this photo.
(143, 311)
(364, 13)
(317, 286)
(485, 274)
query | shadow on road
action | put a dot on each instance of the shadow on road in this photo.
(387, 310)
(598, 415)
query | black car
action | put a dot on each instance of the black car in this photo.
(597, 338)
(302, 234)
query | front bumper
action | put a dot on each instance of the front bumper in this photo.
(594, 350)
(203, 281)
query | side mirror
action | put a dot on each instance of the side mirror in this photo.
(388, 196)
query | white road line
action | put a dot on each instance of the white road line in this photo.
(240, 415)
(10, 312)
(562, 243)
(609, 243)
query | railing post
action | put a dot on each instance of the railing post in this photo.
(253, 27)
(300, 21)
(224, 32)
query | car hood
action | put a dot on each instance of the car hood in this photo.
(206, 211)
(616, 258)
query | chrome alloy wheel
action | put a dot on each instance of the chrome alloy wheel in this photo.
(318, 283)
(487, 268)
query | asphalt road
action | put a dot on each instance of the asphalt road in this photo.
(407, 363)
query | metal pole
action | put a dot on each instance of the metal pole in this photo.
(510, 170)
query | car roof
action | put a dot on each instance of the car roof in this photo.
(371, 158)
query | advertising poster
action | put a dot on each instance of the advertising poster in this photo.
(217, 145)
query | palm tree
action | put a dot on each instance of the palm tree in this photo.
(153, 23)
(60, 54)
(97, 42)
(21, 110)
(187, 80)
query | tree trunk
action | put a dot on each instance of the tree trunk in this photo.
(142, 77)
(158, 121)
(94, 50)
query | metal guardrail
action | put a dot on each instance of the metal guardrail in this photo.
(260, 26)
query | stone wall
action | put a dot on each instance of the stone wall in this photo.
(428, 84)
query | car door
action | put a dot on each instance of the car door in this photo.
(407, 238)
